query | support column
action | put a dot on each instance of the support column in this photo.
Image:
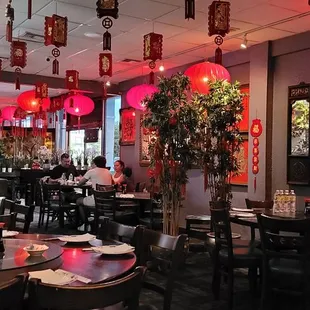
(261, 107)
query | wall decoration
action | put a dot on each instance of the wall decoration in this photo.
(127, 126)
(145, 138)
(244, 124)
(242, 156)
(256, 131)
(91, 135)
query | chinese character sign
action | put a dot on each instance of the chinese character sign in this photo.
(128, 126)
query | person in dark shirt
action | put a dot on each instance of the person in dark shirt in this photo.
(65, 168)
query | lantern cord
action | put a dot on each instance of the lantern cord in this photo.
(79, 122)
(29, 9)
(17, 83)
(9, 31)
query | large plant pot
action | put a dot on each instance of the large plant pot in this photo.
(219, 204)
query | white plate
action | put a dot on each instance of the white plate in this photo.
(9, 233)
(78, 238)
(243, 214)
(114, 249)
(241, 210)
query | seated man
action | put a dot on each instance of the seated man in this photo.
(65, 168)
(97, 175)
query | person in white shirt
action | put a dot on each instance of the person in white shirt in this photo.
(97, 175)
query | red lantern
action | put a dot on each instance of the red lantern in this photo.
(82, 105)
(200, 74)
(136, 95)
(105, 64)
(153, 46)
(18, 54)
(256, 128)
(56, 31)
(28, 102)
(41, 90)
(219, 18)
(72, 79)
(8, 113)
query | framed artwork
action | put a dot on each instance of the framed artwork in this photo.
(127, 126)
(145, 138)
(244, 124)
(242, 156)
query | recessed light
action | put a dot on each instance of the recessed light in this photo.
(92, 35)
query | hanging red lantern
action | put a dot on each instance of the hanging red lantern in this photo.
(28, 102)
(8, 113)
(9, 14)
(200, 74)
(82, 105)
(18, 59)
(136, 95)
(56, 30)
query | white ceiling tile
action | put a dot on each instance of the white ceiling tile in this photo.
(145, 9)
(180, 3)
(171, 47)
(270, 33)
(298, 6)
(185, 59)
(263, 14)
(297, 25)
(177, 18)
(193, 37)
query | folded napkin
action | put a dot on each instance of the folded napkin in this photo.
(9, 233)
(77, 238)
(114, 249)
(49, 276)
(241, 210)
(127, 196)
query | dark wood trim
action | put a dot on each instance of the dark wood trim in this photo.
(269, 124)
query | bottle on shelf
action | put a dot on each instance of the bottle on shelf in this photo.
(287, 201)
(276, 201)
(281, 201)
(293, 201)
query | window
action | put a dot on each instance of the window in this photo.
(112, 149)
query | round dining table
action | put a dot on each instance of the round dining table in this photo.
(76, 258)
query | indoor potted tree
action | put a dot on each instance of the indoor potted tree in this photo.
(173, 118)
(220, 111)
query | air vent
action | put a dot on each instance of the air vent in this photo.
(128, 60)
(31, 37)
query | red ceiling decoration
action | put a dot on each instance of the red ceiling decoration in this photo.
(189, 9)
(79, 105)
(105, 64)
(219, 24)
(200, 74)
(18, 59)
(8, 113)
(9, 14)
(72, 80)
(56, 33)
(136, 95)
(28, 102)
(17, 127)
(41, 90)
(152, 50)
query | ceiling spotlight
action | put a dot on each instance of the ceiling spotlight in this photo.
(244, 44)
(161, 68)
(108, 83)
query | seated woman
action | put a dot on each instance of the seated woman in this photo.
(97, 175)
(118, 176)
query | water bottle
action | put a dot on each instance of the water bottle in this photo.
(63, 177)
(281, 201)
(287, 201)
(71, 177)
(293, 202)
(276, 201)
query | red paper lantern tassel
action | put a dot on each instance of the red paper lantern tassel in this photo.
(17, 82)
(29, 9)
(152, 77)
(254, 184)
(79, 122)
(56, 67)
(9, 31)
(218, 56)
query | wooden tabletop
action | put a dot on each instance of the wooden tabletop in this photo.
(69, 257)
(74, 185)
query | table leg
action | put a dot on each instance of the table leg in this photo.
(61, 218)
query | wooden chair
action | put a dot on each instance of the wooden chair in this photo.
(24, 215)
(227, 257)
(256, 204)
(55, 205)
(46, 296)
(12, 293)
(104, 188)
(9, 220)
(286, 251)
(162, 254)
(41, 201)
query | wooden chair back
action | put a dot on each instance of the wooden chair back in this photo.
(161, 253)
(52, 194)
(255, 204)
(222, 231)
(46, 296)
(12, 293)
(24, 216)
(9, 220)
(104, 188)
(9, 205)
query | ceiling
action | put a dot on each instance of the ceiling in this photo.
(184, 41)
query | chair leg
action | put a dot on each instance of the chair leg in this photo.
(253, 280)
(264, 301)
(230, 288)
(47, 219)
(216, 282)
